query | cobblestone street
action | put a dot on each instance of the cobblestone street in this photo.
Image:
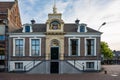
(113, 73)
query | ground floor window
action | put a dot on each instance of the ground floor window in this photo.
(90, 65)
(18, 65)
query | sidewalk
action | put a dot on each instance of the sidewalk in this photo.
(111, 69)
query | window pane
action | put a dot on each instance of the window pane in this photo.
(19, 47)
(90, 46)
(90, 64)
(27, 28)
(35, 47)
(18, 65)
(74, 46)
(82, 28)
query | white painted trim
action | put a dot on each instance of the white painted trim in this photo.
(15, 48)
(69, 48)
(80, 35)
(27, 35)
(30, 46)
(86, 47)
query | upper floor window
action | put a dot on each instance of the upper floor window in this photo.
(19, 47)
(82, 28)
(35, 47)
(90, 47)
(74, 47)
(27, 28)
(2, 37)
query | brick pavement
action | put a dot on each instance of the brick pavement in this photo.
(83, 76)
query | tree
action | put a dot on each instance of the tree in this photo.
(106, 51)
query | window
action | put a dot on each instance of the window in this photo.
(74, 46)
(2, 57)
(90, 65)
(19, 65)
(2, 37)
(90, 47)
(82, 28)
(19, 47)
(27, 28)
(35, 47)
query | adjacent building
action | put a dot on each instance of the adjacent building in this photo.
(9, 12)
(54, 47)
(9, 21)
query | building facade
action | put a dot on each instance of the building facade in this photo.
(8, 22)
(3, 42)
(9, 12)
(54, 47)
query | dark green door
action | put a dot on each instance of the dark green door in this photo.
(54, 53)
(54, 67)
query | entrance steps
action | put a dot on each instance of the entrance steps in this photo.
(65, 67)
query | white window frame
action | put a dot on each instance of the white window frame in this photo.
(15, 48)
(69, 47)
(30, 54)
(86, 47)
(19, 69)
(90, 68)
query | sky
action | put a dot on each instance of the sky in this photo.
(91, 12)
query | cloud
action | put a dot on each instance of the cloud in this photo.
(92, 12)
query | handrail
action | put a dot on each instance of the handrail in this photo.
(81, 65)
(31, 64)
(77, 64)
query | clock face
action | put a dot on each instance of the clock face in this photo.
(55, 25)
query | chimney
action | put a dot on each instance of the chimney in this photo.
(77, 21)
(32, 21)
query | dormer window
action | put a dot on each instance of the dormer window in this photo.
(82, 28)
(27, 28)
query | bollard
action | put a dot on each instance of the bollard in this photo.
(105, 72)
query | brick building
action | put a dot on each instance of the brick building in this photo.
(54, 47)
(9, 11)
(9, 20)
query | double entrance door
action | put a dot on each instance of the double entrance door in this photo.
(54, 64)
